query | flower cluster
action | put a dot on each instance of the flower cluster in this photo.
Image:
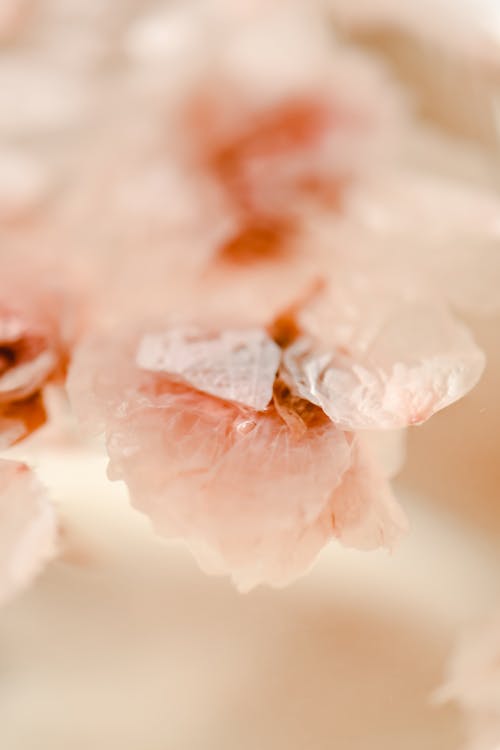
(267, 277)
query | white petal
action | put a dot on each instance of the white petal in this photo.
(418, 361)
(234, 365)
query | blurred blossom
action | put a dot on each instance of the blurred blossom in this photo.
(28, 528)
(241, 173)
(333, 368)
(24, 185)
(38, 327)
(468, 27)
(474, 683)
(258, 479)
(13, 15)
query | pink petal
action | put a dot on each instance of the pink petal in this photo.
(366, 513)
(28, 528)
(445, 230)
(40, 317)
(250, 496)
(236, 483)
(233, 365)
(395, 367)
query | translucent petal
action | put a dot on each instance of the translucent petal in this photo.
(237, 365)
(252, 497)
(366, 514)
(237, 485)
(446, 230)
(395, 367)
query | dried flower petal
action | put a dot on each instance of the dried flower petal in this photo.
(384, 372)
(28, 528)
(366, 513)
(233, 365)
(253, 493)
(444, 230)
(36, 331)
(240, 485)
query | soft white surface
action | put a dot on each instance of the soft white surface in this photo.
(132, 647)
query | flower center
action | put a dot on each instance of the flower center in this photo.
(256, 242)
(7, 358)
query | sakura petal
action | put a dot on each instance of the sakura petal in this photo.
(40, 319)
(246, 497)
(446, 231)
(366, 514)
(251, 496)
(291, 556)
(235, 365)
(28, 528)
(419, 361)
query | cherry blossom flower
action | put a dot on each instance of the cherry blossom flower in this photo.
(263, 169)
(38, 324)
(272, 130)
(28, 528)
(212, 173)
(228, 440)
(235, 164)
(255, 483)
